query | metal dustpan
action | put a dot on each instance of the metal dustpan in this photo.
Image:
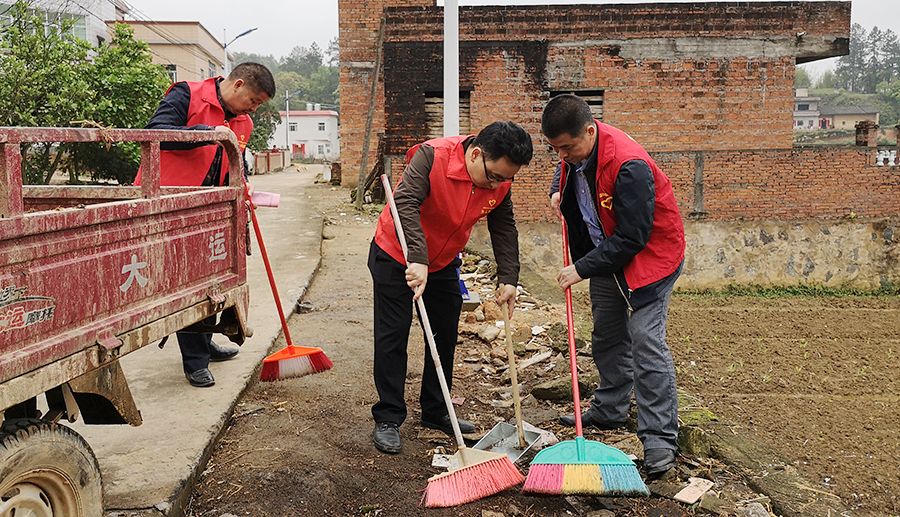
(504, 439)
(512, 440)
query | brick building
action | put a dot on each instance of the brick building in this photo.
(705, 87)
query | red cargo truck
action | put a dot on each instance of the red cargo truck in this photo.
(87, 275)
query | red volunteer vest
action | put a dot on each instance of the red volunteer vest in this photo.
(189, 167)
(665, 250)
(453, 206)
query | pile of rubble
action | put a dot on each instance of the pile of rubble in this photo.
(483, 394)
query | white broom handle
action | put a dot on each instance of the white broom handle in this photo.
(429, 336)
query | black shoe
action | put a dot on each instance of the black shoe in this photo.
(443, 424)
(220, 353)
(589, 419)
(386, 437)
(202, 378)
(658, 461)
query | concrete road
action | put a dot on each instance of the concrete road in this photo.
(149, 470)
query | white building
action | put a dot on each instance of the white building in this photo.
(88, 16)
(806, 111)
(309, 134)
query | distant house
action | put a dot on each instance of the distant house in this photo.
(87, 16)
(806, 111)
(846, 117)
(309, 133)
(187, 50)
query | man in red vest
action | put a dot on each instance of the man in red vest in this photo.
(627, 237)
(447, 186)
(216, 103)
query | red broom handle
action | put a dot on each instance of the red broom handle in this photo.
(265, 257)
(570, 327)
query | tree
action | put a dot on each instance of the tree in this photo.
(268, 60)
(332, 54)
(127, 88)
(302, 60)
(322, 85)
(826, 80)
(802, 79)
(44, 72)
(851, 68)
(291, 83)
(265, 119)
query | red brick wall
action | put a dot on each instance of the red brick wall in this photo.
(792, 184)
(512, 57)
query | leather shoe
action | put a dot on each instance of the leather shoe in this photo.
(658, 461)
(220, 353)
(590, 419)
(386, 437)
(202, 378)
(443, 424)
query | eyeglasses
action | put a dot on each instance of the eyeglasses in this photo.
(490, 176)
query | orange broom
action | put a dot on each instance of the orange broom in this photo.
(475, 474)
(291, 361)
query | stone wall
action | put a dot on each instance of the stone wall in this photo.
(863, 255)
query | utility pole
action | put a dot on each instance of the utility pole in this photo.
(287, 121)
(451, 68)
(225, 46)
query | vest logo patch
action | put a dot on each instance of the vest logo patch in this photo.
(490, 206)
(605, 200)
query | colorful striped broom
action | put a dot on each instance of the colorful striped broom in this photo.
(290, 361)
(580, 466)
(476, 474)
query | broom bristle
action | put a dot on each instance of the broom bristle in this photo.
(283, 365)
(269, 371)
(472, 483)
(544, 479)
(586, 479)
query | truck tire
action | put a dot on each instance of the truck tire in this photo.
(47, 470)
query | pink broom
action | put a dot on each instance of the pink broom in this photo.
(475, 474)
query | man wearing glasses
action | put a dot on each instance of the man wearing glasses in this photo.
(447, 186)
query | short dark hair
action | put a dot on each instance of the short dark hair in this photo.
(504, 138)
(566, 113)
(255, 76)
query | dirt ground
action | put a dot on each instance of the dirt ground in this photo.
(810, 376)
(815, 378)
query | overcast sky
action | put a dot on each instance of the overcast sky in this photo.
(283, 25)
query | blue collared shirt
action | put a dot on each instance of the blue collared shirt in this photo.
(586, 204)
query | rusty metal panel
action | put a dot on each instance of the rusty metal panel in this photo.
(108, 260)
(10, 180)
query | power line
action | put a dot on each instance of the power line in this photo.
(189, 69)
(165, 34)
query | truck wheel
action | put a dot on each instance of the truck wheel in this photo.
(47, 470)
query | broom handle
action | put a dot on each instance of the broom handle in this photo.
(426, 325)
(514, 377)
(265, 257)
(570, 328)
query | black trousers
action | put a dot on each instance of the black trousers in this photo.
(195, 348)
(393, 316)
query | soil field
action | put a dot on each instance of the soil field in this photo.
(814, 377)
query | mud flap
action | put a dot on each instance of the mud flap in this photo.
(103, 396)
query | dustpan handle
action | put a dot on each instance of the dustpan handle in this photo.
(426, 325)
(265, 257)
(513, 377)
(570, 333)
